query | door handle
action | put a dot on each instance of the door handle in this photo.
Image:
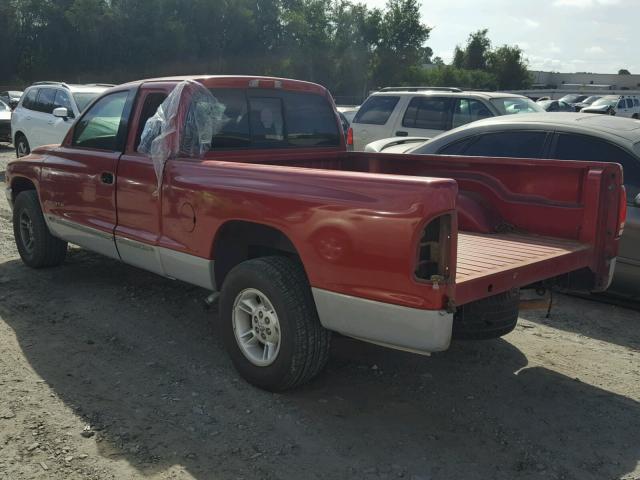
(28, 118)
(50, 122)
(402, 134)
(106, 177)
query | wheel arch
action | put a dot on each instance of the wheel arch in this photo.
(238, 240)
(19, 185)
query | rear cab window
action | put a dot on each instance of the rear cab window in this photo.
(267, 118)
(376, 110)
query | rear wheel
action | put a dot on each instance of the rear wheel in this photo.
(22, 146)
(270, 326)
(36, 246)
(490, 317)
(635, 116)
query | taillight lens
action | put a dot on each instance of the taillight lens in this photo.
(622, 210)
(350, 136)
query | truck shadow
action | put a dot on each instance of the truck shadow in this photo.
(136, 356)
(594, 319)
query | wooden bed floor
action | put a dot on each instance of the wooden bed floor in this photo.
(480, 255)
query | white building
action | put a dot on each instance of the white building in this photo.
(571, 81)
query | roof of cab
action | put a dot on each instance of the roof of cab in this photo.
(237, 81)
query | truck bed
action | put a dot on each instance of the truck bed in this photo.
(485, 262)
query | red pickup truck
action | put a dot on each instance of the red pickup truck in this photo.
(301, 237)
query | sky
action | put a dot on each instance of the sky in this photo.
(599, 36)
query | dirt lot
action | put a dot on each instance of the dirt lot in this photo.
(107, 372)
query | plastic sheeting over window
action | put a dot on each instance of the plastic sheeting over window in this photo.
(183, 125)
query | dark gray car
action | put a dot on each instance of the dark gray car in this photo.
(564, 136)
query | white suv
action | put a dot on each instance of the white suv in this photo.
(427, 111)
(46, 112)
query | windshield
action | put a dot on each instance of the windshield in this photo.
(509, 105)
(83, 99)
(3, 106)
(573, 98)
(590, 100)
(608, 101)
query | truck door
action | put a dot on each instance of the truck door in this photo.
(138, 198)
(79, 178)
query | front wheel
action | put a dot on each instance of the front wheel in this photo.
(270, 325)
(36, 246)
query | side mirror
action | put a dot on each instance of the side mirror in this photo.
(61, 112)
(636, 201)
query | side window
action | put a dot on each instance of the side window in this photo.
(29, 101)
(629, 103)
(427, 113)
(98, 127)
(235, 131)
(151, 103)
(468, 110)
(376, 110)
(508, 144)
(62, 100)
(621, 104)
(636, 102)
(267, 122)
(456, 148)
(45, 99)
(582, 147)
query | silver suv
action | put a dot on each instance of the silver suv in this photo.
(427, 111)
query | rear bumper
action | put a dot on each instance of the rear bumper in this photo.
(394, 326)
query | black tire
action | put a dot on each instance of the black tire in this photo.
(37, 247)
(490, 317)
(635, 116)
(22, 146)
(304, 343)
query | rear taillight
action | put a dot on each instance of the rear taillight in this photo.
(622, 210)
(350, 136)
(433, 251)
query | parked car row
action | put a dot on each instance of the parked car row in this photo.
(428, 111)
(620, 105)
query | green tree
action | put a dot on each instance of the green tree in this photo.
(624, 71)
(477, 50)
(508, 65)
(402, 41)
(458, 57)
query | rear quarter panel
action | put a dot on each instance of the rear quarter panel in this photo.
(356, 233)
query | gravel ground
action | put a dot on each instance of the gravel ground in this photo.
(108, 372)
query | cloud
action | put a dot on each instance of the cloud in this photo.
(585, 3)
(594, 50)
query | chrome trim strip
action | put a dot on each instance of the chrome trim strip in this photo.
(394, 326)
(134, 244)
(188, 268)
(81, 228)
(87, 237)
